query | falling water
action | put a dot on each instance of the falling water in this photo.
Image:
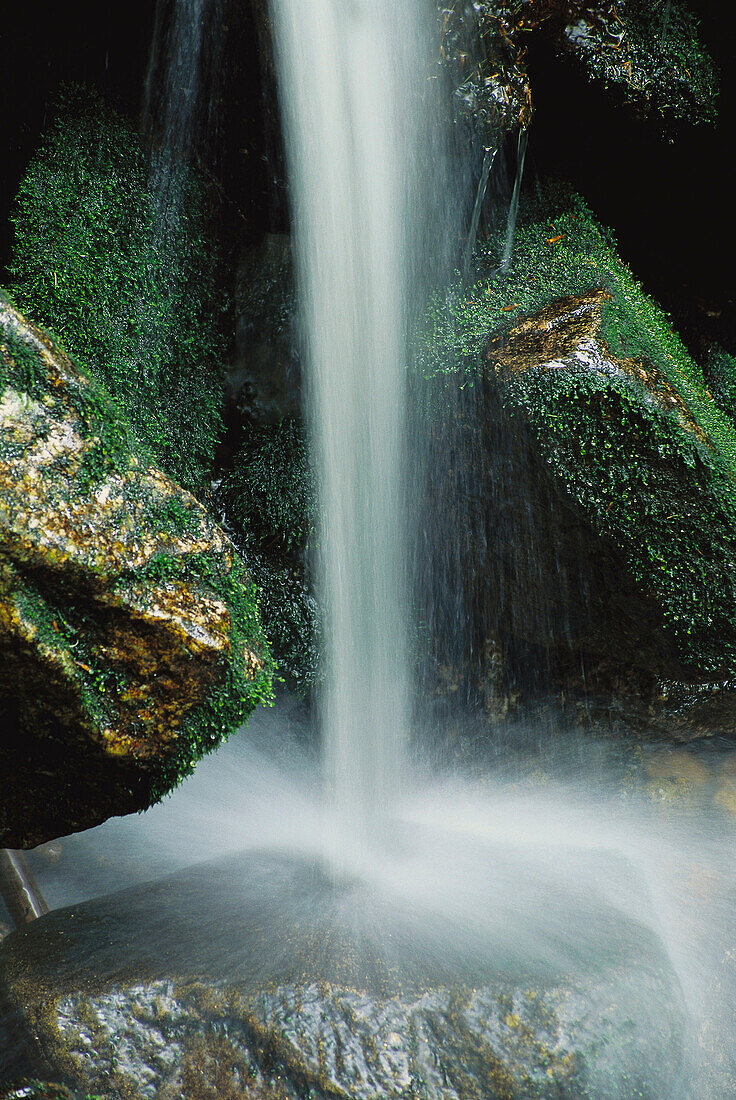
(182, 69)
(521, 144)
(349, 73)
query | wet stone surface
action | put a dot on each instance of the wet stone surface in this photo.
(255, 977)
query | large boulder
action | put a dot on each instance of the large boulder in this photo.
(129, 630)
(261, 976)
(609, 486)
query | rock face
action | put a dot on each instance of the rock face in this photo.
(129, 633)
(250, 978)
(629, 449)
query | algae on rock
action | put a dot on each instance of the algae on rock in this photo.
(129, 629)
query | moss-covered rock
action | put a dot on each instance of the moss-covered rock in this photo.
(269, 501)
(631, 450)
(112, 252)
(129, 629)
(650, 53)
(620, 417)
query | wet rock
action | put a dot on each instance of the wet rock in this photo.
(129, 632)
(183, 986)
(652, 54)
(485, 62)
(609, 481)
(628, 446)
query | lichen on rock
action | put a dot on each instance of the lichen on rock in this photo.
(129, 629)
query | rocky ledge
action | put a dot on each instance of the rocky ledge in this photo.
(261, 977)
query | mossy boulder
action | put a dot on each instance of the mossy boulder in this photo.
(129, 629)
(115, 251)
(259, 977)
(630, 449)
(625, 428)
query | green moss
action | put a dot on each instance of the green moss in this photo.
(269, 499)
(123, 269)
(661, 64)
(720, 374)
(560, 250)
(244, 684)
(60, 616)
(656, 476)
(655, 489)
(270, 489)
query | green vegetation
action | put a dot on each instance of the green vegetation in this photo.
(560, 250)
(269, 498)
(112, 252)
(640, 444)
(62, 613)
(270, 490)
(720, 374)
(246, 683)
(660, 63)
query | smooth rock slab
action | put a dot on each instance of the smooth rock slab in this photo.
(259, 977)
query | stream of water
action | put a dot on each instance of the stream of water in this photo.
(349, 75)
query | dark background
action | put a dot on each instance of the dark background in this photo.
(670, 204)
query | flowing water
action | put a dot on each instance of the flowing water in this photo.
(349, 75)
(545, 859)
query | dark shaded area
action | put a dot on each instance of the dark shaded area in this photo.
(44, 44)
(668, 201)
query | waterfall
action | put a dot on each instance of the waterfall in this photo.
(184, 68)
(351, 76)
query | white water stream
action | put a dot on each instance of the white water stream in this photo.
(348, 74)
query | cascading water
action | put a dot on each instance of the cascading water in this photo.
(354, 119)
(553, 869)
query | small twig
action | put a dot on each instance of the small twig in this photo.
(19, 889)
